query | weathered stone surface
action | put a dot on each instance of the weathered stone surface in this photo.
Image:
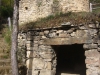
(90, 46)
(92, 31)
(82, 27)
(68, 74)
(35, 72)
(35, 48)
(28, 45)
(36, 38)
(29, 63)
(98, 49)
(92, 53)
(63, 41)
(92, 25)
(42, 59)
(66, 24)
(29, 72)
(46, 32)
(43, 37)
(93, 71)
(59, 31)
(63, 35)
(73, 34)
(41, 33)
(49, 65)
(40, 64)
(29, 48)
(44, 55)
(98, 42)
(47, 60)
(36, 54)
(94, 62)
(29, 54)
(47, 72)
(52, 34)
(32, 10)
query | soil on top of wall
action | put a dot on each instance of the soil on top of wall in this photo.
(60, 18)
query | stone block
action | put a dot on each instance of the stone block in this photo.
(98, 42)
(41, 33)
(29, 72)
(51, 35)
(35, 45)
(29, 48)
(29, 63)
(98, 49)
(46, 56)
(29, 37)
(49, 65)
(35, 48)
(82, 27)
(92, 61)
(35, 54)
(81, 33)
(36, 38)
(29, 45)
(92, 53)
(46, 32)
(47, 60)
(44, 37)
(29, 54)
(90, 46)
(38, 64)
(63, 35)
(47, 72)
(92, 31)
(68, 74)
(71, 40)
(59, 31)
(35, 72)
(93, 71)
(73, 34)
(92, 25)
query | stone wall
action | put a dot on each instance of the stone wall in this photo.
(31, 10)
(41, 57)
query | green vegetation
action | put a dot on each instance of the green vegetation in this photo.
(6, 33)
(6, 9)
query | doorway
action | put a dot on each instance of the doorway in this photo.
(70, 60)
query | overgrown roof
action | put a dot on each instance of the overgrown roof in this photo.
(58, 19)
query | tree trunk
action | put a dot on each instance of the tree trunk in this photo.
(14, 63)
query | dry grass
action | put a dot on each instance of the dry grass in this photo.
(58, 19)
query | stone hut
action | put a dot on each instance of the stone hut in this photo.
(31, 10)
(64, 50)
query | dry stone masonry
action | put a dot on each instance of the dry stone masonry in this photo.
(40, 45)
(31, 10)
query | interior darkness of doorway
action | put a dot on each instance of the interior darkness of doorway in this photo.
(70, 59)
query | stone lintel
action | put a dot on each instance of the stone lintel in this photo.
(67, 41)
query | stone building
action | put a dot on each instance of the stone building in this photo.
(31, 10)
(64, 50)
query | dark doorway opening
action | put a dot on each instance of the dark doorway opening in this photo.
(70, 60)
